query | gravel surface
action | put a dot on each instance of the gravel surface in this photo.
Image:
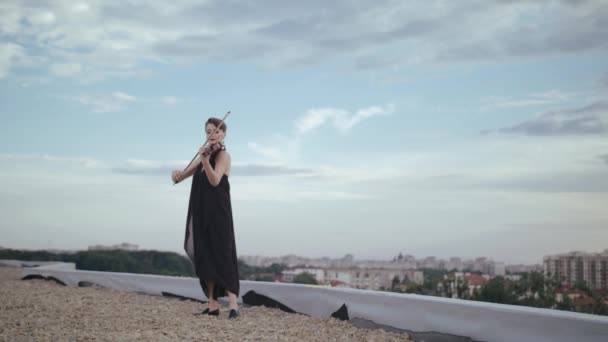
(42, 310)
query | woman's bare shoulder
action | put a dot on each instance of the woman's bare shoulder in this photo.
(224, 155)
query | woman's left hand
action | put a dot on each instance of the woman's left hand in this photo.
(201, 152)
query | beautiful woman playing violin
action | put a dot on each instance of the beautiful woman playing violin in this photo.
(209, 241)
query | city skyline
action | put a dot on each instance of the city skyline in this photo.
(348, 256)
(381, 257)
(440, 128)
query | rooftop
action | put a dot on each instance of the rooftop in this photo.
(131, 306)
(45, 310)
(476, 280)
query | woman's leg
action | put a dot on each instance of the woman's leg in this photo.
(213, 304)
(232, 300)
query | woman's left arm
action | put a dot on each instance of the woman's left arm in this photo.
(222, 164)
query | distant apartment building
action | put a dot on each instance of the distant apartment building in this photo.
(253, 260)
(403, 264)
(343, 276)
(429, 262)
(347, 261)
(485, 266)
(569, 268)
(497, 269)
(480, 265)
(373, 278)
(524, 268)
(454, 263)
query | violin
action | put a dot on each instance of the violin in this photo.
(204, 151)
(209, 150)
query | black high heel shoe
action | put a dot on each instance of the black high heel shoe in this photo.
(233, 314)
(215, 312)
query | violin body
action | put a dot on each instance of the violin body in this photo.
(209, 150)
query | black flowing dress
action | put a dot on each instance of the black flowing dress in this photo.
(209, 241)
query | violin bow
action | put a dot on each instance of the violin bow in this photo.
(206, 141)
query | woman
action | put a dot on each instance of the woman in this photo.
(209, 241)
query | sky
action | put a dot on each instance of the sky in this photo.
(469, 128)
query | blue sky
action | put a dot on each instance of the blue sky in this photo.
(449, 129)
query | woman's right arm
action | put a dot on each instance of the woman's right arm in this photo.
(190, 170)
(186, 173)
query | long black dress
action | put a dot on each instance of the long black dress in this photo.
(209, 241)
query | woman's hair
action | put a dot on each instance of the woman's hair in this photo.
(216, 122)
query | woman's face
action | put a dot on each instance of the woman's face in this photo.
(219, 136)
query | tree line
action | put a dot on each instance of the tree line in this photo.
(144, 261)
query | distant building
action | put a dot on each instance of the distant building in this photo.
(581, 301)
(480, 265)
(370, 278)
(254, 260)
(513, 277)
(454, 263)
(400, 262)
(373, 278)
(429, 262)
(573, 267)
(123, 246)
(373, 274)
(476, 281)
(497, 269)
(344, 277)
(524, 268)
(289, 274)
(462, 284)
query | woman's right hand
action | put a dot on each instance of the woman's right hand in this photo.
(176, 176)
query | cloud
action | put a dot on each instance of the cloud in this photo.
(268, 170)
(111, 38)
(539, 99)
(155, 167)
(285, 148)
(106, 103)
(151, 167)
(603, 81)
(271, 152)
(341, 119)
(123, 97)
(66, 69)
(86, 162)
(604, 158)
(545, 176)
(147, 167)
(583, 181)
(170, 100)
(10, 54)
(524, 31)
(251, 181)
(588, 120)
